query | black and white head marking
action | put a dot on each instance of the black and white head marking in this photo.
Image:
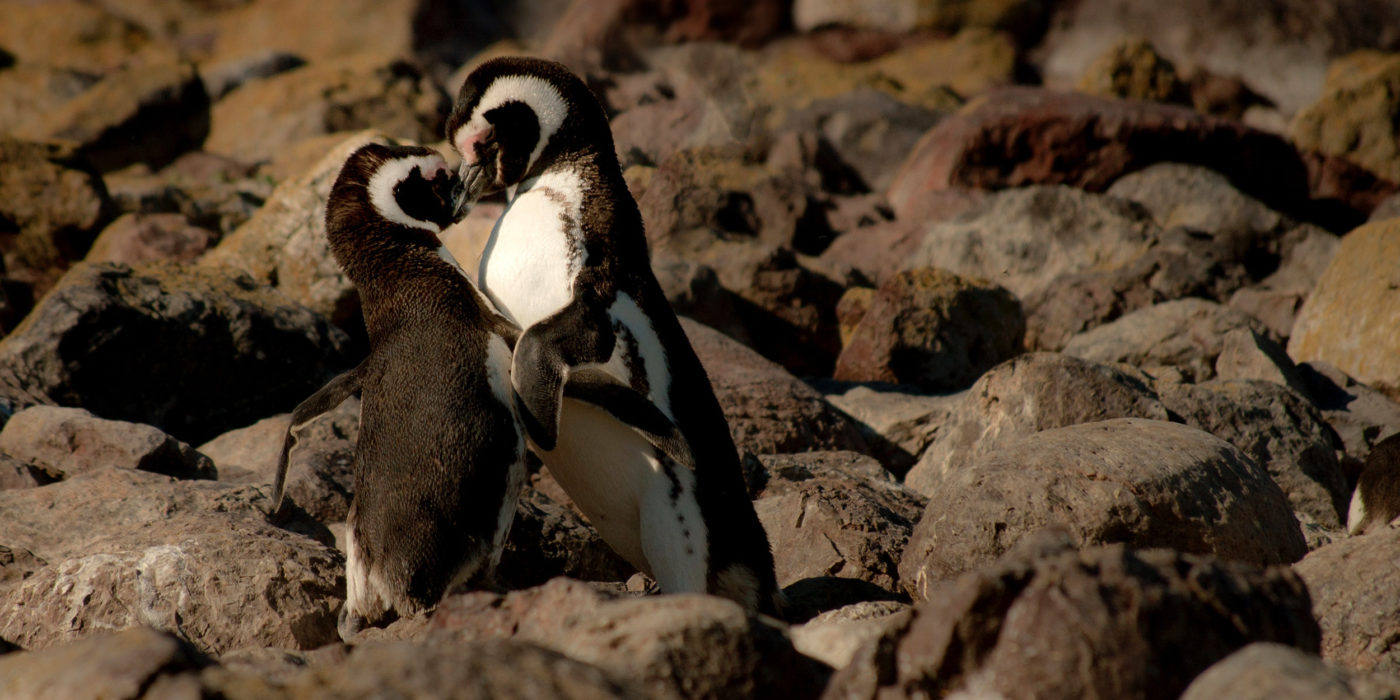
(403, 191)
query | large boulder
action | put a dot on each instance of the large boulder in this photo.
(70, 441)
(1352, 318)
(1355, 116)
(1355, 601)
(224, 350)
(1271, 671)
(1141, 482)
(1051, 622)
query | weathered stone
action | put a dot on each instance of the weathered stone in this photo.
(835, 514)
(359, 92)
(1268, 671)
(90, 343)
(897, 425)
(1015, 16)
(17, 474)
(70, 441)
(195, 558)
(225, 76)
(69, 34)
(1133, 69)
(120, 665)
(1358, 609)
(1141, 482)
(1352, 318)
(1358, 414)
(883, 248)
(769, 411)
(1187, 334)
(1355, 117)
(548, 539)
(31, 92)
(17, 564)
(933, 329)
(145, 114)
(870, 129)
(833, 637)
(54, 201)
(209, 191)
(138, 238)
(1277, 428)
(1026, 395)
(1249, 355)
(1104, 622)
(669, 646)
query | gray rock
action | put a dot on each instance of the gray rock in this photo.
(117, 665)
(224, 350)
(1249, 355)
(1355, 603)
(1187, 334)
(1026, 395)
(1177, 194)
(70, 441)
(1269, 671)
(870, 129)
(1049, 621)
(1140, 482)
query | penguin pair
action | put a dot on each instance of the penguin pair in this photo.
(440, 459)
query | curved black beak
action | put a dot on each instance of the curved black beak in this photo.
(470, 185)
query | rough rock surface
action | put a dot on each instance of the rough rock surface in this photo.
(89, 345)
(138, 238)
(1354, 117)
(119, 665)
(1103, 622)
(1187, 334)
(1355, 603)
(70, 441)
(1141, 482)
(897, 424)
(53, 202)
(1269, 671)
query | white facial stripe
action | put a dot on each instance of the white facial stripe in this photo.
(541, 97)
(381, 188)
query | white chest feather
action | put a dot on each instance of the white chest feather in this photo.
(535, 251)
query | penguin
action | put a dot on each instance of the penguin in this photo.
(568, 263)
(440, 460)
(1376, 501)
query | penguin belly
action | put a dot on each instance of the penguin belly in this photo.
(643, 505)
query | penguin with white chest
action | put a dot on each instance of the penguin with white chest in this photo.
(440, 458)
(568, 263)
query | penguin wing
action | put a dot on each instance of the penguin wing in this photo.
(578, 334)
(629, 406)
(326, 398)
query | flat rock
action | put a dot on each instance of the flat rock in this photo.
(835, 514)
(769, 411)
(1357, 607)
(108, 333)
(932, 329)
(136, 238)
(1058, 623)
(1352, 318)
(1026, 395)
(116, 665)
(1269, 671)
(1141, 482)
(1186, 334)
(70, 441)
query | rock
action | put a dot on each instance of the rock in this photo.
(670, 646)
(118, 665)
(71, 441)
(897, 425)
(747, 24)
(284, 243)
(1354, 118)
(1359, 612)
(500, 668)
(834, 636)
(54, 201)
(1023, 396)
(144, 114)
(1352, 318)
(1019, 136)
(249, 455)
(69, 34)
(31, 92)
(694, 290)
(1359, 415)
(1267, 671)
(1177, 194)
(359, 92)
(1133, 69)
(107, 334)
(549, 539)
(225, 76)
(1344, 192)
(868, 128)
(933, 329)
(209, 191)
(138, 238)
(1277, 428)
(195, 558)
(1245, 354)
(1187, 334)
(835, 514)
(769, 411)
(1279, 47)
(17, 474)
(883, 248)
(1388, 208)
(1141, 482)
(908, 15)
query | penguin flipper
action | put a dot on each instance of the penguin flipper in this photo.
(335, 392)
(545, 354)
(596, 387)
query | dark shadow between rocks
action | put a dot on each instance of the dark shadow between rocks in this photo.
(811, 597)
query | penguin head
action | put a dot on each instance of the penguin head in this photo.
(516, 117)
(407, 186)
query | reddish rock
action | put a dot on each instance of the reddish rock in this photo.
(138, 238)
(52, 204)
(746, 23)
(70, 441)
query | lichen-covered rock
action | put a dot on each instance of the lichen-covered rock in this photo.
(70, 441)
(1133, 69)
(1355, 116)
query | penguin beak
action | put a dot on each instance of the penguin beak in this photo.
(471, 184)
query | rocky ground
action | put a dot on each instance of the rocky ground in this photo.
(1056, 334)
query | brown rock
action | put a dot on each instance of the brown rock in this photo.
(1249, 355)
(933, 329)
(144, 114)
(29, 92)
(138, 238)
(53, 203)
(833, 637)
(1352, 318)
(748, 24)
(897, 425)
(70, 441)
(835, 514)
(118, 665)
(1345, 192)
(1355, 116)
(17, 474)
(1358, 414)
(1268, 671)
(1358, 609)
(210, 191)
(881, 249)
(1133, 69)
(1026, 395)
(769, 411)
(69, 34)
(1104, 622)
(1142, 482)
(1186, 334)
